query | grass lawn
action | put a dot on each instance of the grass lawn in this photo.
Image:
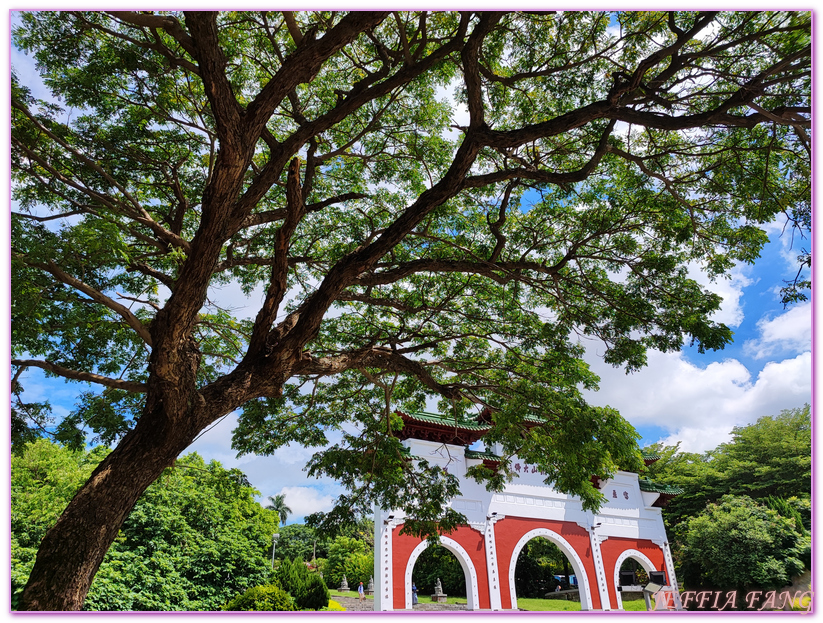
(561, 605)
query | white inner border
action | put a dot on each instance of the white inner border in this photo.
(465, 562)
(568, 550)
(629, 553)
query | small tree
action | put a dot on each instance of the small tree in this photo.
(277, 503)
(314, 594)
(308, 589)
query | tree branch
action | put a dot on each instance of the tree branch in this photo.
(131, 320)
(295, 209)
(76, 375)
(270, 216)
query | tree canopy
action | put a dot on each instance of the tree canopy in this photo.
(738, 544)
(771, 458)
(194, 539)
(427, 205)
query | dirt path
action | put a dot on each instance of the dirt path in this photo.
(355, 605)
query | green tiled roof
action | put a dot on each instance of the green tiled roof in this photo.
(477, 454)
(448, 420)
(655, 487)
(649, 456)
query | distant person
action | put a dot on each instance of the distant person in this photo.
(558, 588)
(414, 594)
(360, 592)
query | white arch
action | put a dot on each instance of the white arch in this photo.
(568, 550)
(644, 561)
(465, 563)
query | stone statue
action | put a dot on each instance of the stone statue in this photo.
(439, 596)
(370, 587)
(344, 585)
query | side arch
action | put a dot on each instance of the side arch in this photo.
(568, 550)
(644, 561)
(469, 572)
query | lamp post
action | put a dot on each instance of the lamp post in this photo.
(274, 538)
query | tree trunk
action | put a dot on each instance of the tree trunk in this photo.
(72, 550)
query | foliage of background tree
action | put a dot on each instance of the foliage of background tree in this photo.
(268, 598)
(350, 557)
(537, 564)
(770, 458)
(44, 477)
(438, 562)
(403, 252)
(738, 544)
(300, 541)
(194, 539)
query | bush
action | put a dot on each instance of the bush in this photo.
(269, 598)
(308, 590)
(334, 606)
(313, 594)
(291, 575)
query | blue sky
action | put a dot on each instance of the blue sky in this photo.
(688, 397)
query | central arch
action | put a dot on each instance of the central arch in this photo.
(469, 572)
(568, 551)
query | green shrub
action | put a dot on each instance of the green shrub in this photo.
(308, 589)
(270, 598)
(313, 594)
(291, 575)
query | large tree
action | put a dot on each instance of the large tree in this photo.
(402, 249)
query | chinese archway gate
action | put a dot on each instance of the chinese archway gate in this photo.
(628, 525)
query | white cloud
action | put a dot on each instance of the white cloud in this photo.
(790, 332)
(293, 454)
(730, 288)
(62, 395)
(700, 405)
(790, 241)
(282, 472)
(230, 296)
(306, 500)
